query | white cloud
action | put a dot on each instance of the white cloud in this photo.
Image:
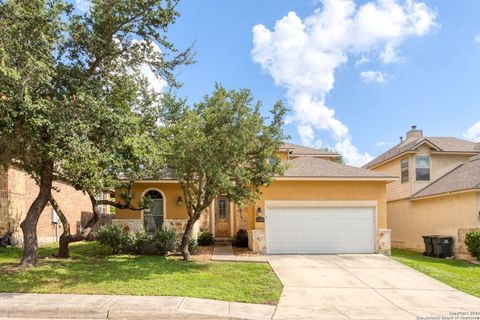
(375, 76)
(380, 143)
(473, 133)
(362, 60)
(302, 56)
(477, 39)
(156, 83)
(83, 5)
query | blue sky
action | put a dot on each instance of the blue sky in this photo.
(432, 81)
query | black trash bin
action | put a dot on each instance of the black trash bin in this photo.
(428, 246)
(442, 246)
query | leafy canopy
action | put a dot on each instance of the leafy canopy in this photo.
(222, 146)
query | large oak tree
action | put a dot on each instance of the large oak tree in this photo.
(223, 146)
(64, 75)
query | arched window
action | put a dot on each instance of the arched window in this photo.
(153, 215)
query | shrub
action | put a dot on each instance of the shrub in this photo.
(472, 241)
(192, 246)
(138, 243)
(165, 240)
(111, 236)
(205, 238)
(241, 239)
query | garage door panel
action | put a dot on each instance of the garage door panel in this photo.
(320, 230)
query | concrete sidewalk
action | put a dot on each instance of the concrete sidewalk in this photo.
(72, 306)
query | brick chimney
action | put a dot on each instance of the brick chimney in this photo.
(414, 133)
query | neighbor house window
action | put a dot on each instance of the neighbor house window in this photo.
(422, 165)
(404, 168)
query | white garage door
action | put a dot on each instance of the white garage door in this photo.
(320, 230)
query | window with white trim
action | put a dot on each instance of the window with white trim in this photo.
(153, 214)
(404, 170)
(422, 168)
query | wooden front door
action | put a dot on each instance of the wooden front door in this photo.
(222, 217)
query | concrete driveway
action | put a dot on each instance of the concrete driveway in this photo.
(361, 287)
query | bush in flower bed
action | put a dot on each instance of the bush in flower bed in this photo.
(472, 241)
(118, 241)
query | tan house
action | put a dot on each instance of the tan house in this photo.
(438, 191)
(17, 192)
(318, 206)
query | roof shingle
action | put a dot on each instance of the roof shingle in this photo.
(464, 177)
(297, 149)
(444, 144)
(310, 167)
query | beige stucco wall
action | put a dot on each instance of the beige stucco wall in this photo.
(171, 192)
(324, 191)
(278, 190)
(409, 220)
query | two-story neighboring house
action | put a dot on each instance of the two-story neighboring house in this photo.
(438, 191)
(317, 206)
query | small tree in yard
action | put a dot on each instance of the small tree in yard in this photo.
(222, 147)
(66, 78)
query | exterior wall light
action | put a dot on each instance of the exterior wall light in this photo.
(179, 201)
(259, 217)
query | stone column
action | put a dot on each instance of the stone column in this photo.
(385, 241)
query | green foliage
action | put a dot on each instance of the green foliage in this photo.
(139, 242)
(221, 147)
(192, 246)
(205, 238)
(241, 239)
(112, 237)
(165, 240)
(459, 274)
(472, 241)
(72, 91)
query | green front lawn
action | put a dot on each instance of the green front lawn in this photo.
(92, 271)
(462, 275)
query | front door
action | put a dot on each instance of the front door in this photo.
(222, 217)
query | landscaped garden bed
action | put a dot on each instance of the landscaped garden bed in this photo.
(92, 270)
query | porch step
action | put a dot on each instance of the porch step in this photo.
(223, 241)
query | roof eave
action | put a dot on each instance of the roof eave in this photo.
(336, 178)
(441, 194)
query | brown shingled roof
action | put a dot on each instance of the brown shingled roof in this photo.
(464, 177)
(296, 149)
(441, 144)
(310, 167)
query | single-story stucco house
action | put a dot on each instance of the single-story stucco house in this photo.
(438, 192)
(318, 206)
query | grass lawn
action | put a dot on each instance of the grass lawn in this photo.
(462, 275)
(92, 271)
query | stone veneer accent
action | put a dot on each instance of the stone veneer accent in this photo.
(179, 226)
(256, 241)
(134, 225)
(385, 242)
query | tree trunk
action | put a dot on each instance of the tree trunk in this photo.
(66, 238)
(63, 248)
(186, 237)
(29, 225)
